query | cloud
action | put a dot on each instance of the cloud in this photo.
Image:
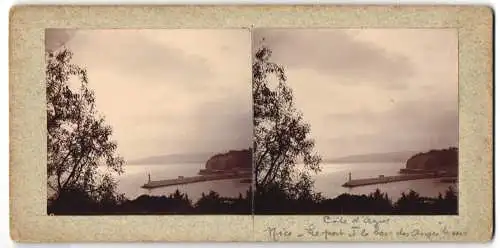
(163, 92)
(56, 38)
(412, 125)
(338, 53)
(371, 90)
(136, 55)
(214, 125)
(226, 122)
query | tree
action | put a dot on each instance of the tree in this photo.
(78, 140)
(280, 132)
(380, 202)
(410, 203)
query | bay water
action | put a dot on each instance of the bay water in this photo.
(328, 182)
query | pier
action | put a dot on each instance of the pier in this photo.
(185, 180)
(389, 179)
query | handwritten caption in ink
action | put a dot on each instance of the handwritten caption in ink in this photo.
(362, 227)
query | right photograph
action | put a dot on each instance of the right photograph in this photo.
(355, 121)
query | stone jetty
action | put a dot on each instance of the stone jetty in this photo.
(194, 179)
(389, 179)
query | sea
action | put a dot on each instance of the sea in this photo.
(328, 182)
(130, 182)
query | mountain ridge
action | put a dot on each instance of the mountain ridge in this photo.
(400, 156)
(201, 157)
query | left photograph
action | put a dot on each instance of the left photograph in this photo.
(149, 121)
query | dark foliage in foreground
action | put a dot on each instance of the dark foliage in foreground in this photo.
(376, 203)
(76, 203)
(269, 202)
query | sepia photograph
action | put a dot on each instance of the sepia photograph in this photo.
(148, 121)
(355, 121)
(250, 123)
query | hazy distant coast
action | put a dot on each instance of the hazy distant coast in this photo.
(186, 158)
(172, 159)
(390, 157)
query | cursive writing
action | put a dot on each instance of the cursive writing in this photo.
(358, 227)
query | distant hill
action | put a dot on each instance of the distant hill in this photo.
(230, 160)
(373, 158)
(444, 159)
(173, 159)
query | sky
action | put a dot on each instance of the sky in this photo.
(189, 91)
(167, 91)
(371, 90)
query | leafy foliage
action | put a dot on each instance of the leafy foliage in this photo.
(280, 133)
(78, 140)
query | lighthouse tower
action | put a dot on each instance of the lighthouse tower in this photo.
(349, 176)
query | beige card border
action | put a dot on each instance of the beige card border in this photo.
(29, 222)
